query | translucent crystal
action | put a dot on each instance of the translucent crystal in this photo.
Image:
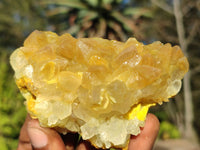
(100, 88)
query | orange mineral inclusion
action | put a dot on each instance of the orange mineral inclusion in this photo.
(100, 88)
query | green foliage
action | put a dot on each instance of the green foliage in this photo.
(168, 130)
(112, 19)
(12, 109)
(17, 19)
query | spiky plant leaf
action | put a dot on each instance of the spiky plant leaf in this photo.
(108, 16)
(67, 3)
(139, 11)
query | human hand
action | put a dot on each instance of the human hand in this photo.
(34, 137)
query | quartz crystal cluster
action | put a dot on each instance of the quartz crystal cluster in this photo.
(100, 88)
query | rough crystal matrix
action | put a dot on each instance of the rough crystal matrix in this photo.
(99, 88)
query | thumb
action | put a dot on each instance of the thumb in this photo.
(146, 139)
(44, 138)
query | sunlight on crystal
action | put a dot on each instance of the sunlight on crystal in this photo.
(100, 88)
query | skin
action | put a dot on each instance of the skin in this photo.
(34, 137)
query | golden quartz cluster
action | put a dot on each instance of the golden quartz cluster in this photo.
(100, 88)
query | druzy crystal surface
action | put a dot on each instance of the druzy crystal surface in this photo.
(99, 88)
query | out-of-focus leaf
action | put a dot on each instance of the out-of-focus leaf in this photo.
(69, 3)
(139, 11)
(18, 114)
(58, 10)
(118, 31)
(93, 2)
(3, 143)
(86, 15)
(73, 29)
(126, 22)
(101, 30)
(5, 18)
(168, 130)
(112, 1)
(12, 109)
(4, 120)
(107, 1)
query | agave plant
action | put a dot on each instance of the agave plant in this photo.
(112, 19)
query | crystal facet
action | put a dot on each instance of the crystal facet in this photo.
(99, 88)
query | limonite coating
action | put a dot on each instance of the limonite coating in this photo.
(100, 88)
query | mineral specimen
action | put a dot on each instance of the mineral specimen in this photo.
(100, 88)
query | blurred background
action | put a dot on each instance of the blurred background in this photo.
(174, 21)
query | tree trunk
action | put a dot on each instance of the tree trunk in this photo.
(189, 115)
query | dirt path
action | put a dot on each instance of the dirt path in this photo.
(177, 144)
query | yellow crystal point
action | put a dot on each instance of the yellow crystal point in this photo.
(100, 88)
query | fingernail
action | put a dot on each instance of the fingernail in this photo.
(38, 138)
